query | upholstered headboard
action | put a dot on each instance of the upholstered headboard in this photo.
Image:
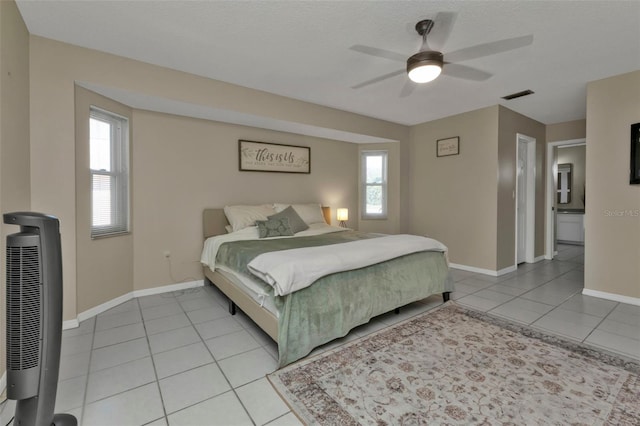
(214, 221)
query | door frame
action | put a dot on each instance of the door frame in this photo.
(530, 209)
(552, 170)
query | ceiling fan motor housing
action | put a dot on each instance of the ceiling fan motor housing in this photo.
(428, 57)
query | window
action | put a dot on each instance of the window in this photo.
(109, 164)
(374, 184)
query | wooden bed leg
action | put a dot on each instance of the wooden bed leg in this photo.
(396, 311)
(232, 308)
(445, 296)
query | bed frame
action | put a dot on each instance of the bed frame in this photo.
(214, 222)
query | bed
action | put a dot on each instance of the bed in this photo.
(332, 305)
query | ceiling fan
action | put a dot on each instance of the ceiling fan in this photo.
(427, 64)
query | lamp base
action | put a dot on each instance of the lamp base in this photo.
(343, 224)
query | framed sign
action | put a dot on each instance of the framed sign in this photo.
(273, 157)
(449, 146)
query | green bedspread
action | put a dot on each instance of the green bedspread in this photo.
(336, 303)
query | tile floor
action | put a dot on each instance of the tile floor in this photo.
(181, 359)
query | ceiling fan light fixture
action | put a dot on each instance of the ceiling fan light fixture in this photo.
(425, 66)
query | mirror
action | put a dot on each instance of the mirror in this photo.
(564, 183)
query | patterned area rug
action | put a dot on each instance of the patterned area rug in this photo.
(457, 366)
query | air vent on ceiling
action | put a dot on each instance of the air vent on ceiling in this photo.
(518, 95)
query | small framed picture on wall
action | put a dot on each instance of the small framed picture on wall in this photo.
(448, 146)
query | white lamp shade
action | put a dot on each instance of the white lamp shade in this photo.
(342, 214)
(425, 73)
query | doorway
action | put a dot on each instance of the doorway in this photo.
(525, 197)
(552, 193)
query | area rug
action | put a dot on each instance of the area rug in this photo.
(459, 367)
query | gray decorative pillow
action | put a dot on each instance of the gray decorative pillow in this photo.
(295, 221)
(278, 227)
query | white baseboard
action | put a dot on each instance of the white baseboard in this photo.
(539, 258)
(73, 323)
(483, 271)
(89, 313)
(612, 296)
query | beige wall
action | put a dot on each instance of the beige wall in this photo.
(182, 166)
(454, 198)
(612, 219)
(104, 264)
(391, 225)
(14, 134)
(55, 67)
(510, 124)
(566, 131)
(467, 200)
(576, 156)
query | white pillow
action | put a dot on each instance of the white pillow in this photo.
(310, 213)
(240, 217)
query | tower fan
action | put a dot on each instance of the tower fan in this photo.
(34, 318)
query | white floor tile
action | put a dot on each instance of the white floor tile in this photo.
(156, 300)
(207, 314)
(615, 343)
(135, 407)
(262, 401)
(247, 367)
(181, 359)
(113, 355)
(479, 303)
(169, 323)
(192, 386)
(589, 305)
(231, 344)
(76, 344)
(522, 310)
(120, 378)
(625, 314)
(219, 327)
(74, 365)
(70, 393)
(513, 291)
(160, 422)
(574, 325)
(620, 328)
(192, 293)
(222, 410)
(168, 340)
(289, 419)
(85, 327)
(111, 321)
(552, 293)
(129, 306)
(496, 296)
(200, 303)
(112, 336)
(165, 310)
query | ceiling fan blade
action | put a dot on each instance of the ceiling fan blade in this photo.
(464, 72)
(487, 49)
(377, 79)
(381, 53)
(407, 89)
(442, 25)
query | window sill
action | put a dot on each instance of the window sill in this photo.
(109, 235)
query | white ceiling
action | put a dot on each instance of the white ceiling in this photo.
(300, 49)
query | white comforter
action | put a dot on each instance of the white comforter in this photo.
(291, 270)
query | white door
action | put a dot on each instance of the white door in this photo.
(521, 204)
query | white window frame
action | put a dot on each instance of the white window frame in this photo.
(364, 185)
(119, 144)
